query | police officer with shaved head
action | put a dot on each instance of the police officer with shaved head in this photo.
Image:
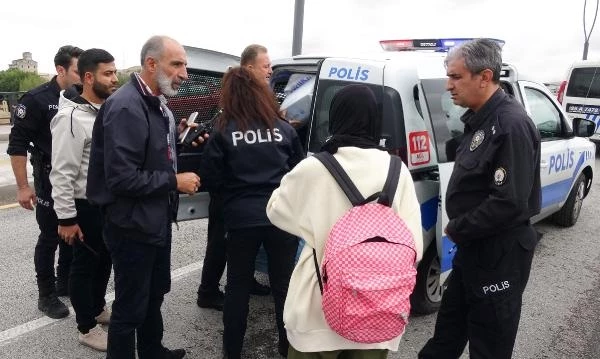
(31, 133)
(493, 192)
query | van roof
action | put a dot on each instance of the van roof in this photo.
(585, 63)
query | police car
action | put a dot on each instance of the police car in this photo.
(422, 125)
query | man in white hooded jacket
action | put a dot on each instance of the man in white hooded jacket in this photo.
(80, 222)
(355, 127)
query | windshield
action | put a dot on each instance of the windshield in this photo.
(584, 82)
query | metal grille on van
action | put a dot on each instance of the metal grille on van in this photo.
(201, 92)
(278, 91)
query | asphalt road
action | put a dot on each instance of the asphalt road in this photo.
(560, 312)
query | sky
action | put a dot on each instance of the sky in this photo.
(543, 37)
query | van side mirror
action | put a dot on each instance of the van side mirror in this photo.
(583, 127)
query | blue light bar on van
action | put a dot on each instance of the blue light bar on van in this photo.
(441, 45)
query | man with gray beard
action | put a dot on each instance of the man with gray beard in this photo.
(133, 178)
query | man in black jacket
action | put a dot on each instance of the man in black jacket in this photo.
(133, 177)
(31, 132)
(493, 192)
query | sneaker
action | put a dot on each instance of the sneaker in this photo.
(175, 354)
(260, 289)
(52, 307)
(212, 301)
(96, 338)
(104, 316)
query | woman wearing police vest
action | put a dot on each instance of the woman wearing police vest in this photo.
(249, 152)
(355, 127)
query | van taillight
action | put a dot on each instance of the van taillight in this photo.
(561, 91)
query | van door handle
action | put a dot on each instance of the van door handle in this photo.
(544, 164)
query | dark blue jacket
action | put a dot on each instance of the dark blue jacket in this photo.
(130, 173)
(247, 166)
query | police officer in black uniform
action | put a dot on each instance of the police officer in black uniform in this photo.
(31, 133)
(493, 192)
(246, 156)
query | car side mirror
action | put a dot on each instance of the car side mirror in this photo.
(583, 127)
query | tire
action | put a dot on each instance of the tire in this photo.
(569, 213)
(427, 295)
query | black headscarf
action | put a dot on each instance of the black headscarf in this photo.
(353, 119)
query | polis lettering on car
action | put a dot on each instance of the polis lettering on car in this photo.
(349, 73)
(561, 161)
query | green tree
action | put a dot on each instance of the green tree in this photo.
(123, 78)
(14, 80)
(29, 81)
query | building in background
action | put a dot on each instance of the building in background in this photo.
(26, 64)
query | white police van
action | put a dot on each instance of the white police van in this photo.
(580, 94)
(421, 123)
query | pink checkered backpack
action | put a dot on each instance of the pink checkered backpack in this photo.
(368, 269)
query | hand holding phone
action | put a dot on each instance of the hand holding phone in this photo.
(191, 119)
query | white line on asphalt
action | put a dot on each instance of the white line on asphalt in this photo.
(7, 206)
(7, 336)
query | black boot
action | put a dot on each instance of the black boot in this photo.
(175, 354)
(259, 289)
(52, 307)
(62, 286)
(213, 300)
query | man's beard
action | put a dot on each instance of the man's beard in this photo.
(165, 84)
(102, 91)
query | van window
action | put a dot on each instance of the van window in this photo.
(393, 134)
(445, 116)
(201, 92)
(544, 114)
(326, 90)
(584, 82)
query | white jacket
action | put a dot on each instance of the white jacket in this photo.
(71, 130)
(307, 204)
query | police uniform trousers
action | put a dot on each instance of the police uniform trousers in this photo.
(142, 275)
(482, 303)
(48, 239)
(215, 258)
(242, 247)
(90, 269)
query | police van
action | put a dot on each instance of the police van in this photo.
(422, 126)
(580, 94)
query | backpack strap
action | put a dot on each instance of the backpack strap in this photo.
(318, 271)
(341, 177)
(391, 182)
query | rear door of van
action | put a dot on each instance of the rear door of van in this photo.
(582, 95)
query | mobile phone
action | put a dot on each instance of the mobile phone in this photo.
(191, 119)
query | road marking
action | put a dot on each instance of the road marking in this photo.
(7, 206)
(7, 336)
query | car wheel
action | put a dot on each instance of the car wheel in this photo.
(569, 213)
(427, 295)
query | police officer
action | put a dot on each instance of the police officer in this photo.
(493, 192)
(31, 132)
(246, 156)
(256, 59)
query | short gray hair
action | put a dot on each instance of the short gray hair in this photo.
(154, 48)
(479, 54)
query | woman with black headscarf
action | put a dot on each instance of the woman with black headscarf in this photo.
(355, 126)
